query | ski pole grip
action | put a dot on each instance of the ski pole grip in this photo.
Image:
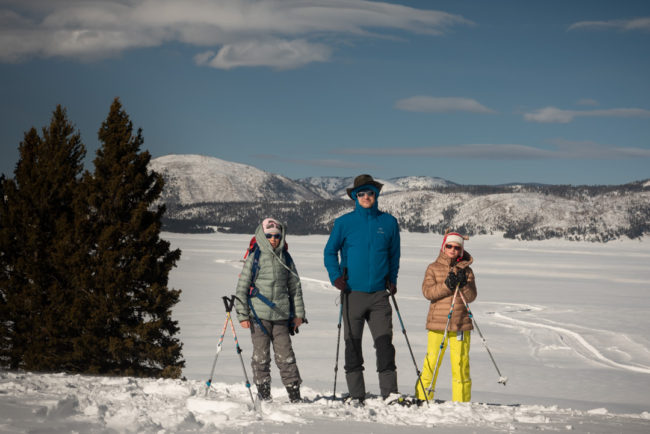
(228, 302)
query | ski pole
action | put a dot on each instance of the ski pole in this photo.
(502, 379)
(229, 303)
(442, 344)
(338, 345)
(408, 344)
(214, 363)
(338, 338)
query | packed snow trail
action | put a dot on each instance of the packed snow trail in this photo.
(60, 403)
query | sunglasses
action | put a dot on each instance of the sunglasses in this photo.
(452, 247)
(274, 236)
(364, 193)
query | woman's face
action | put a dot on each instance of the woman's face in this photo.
(274, 239)
(452, 250)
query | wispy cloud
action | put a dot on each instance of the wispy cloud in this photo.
(231, 33)
(321, 162)
(428, 104)
(639, 24)
(561, 149)
(278, 54)
(587, 102)
(556, 115)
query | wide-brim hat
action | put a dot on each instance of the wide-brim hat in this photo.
(362, 180)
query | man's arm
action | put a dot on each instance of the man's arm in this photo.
(394, 255)
(331, 253)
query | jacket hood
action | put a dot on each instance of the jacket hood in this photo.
(375, 206)
(264, 243)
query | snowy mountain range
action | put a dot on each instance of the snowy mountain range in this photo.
(202, 193)
(192, 179)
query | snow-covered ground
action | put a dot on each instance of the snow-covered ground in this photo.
(566, 322)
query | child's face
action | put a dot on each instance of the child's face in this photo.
(452, 250)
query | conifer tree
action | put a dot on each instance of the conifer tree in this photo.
(37, 225)
(129, 263)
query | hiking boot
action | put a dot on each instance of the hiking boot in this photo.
(293, 390)
(264, 391)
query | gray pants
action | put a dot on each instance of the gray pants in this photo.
(284, 356)
(373, 308)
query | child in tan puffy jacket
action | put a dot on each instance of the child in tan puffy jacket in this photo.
(448, 274)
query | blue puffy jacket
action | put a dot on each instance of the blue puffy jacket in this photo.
(369, 244)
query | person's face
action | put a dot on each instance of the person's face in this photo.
(452, 250)
(366, 198)
(274, 239)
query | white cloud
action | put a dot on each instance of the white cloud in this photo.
(277, 33)
(473, 151)
(429, 104)
(556, 115)
(642, 24)
(562, 149)
(279, 54)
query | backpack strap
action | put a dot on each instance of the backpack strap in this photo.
(254, 291)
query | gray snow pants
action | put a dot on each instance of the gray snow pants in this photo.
(374, 308)
(284, 356)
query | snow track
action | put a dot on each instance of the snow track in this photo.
(570, 338)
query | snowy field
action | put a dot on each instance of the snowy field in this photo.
(567, 323)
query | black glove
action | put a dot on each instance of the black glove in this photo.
(391, 287)
(462, 277)
(451, 281)
(340, 284)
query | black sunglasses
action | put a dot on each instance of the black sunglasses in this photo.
(276, 236)
(365, 193)
(452, 247)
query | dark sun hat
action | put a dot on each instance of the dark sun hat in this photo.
(362, 180)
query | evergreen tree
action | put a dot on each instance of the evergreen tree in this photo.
(128, 264)
(37, 229)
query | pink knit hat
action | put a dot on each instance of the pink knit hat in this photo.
(271, 226)
(456, 238)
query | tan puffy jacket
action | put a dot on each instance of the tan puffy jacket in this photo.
(435, 290)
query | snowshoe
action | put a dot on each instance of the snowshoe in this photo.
(354, 402)
(397, 399)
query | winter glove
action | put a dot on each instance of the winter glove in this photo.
(391, 287)
(462, 277)
(451, 281)
(340, 284)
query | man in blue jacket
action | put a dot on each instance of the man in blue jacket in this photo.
(369, 246)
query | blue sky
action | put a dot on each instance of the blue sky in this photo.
(473, 91)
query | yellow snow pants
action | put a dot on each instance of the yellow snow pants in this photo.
(461, 383)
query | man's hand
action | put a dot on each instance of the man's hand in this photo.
(340, 284)
(245, 324)
(391, 287)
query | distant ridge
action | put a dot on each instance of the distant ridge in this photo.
(206, 193)
(192, 179)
